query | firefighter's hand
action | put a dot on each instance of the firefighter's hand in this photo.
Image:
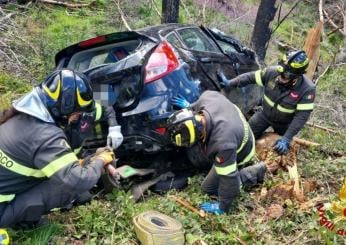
(180, 101)
(115, 137)
(224, 82)
(212, 207)
(106, 156)
(282, 145)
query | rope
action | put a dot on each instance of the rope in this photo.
(154, 228)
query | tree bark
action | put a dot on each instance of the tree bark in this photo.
(262, 31)
(170, 11)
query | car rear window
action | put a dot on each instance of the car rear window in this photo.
(110, 53)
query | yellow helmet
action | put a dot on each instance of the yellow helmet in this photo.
(184, 128)
(294, 63)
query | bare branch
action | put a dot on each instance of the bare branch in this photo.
(117, 2)
(203, 11)
(156, 9)
(320, 10)
(6, 17)
(65, 4)
(283, 19)
(331, 22)
(323, 73)
(185, 9)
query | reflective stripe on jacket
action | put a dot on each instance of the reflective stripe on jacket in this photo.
(32, 151)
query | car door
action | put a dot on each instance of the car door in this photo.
(206, 57)
(245, 60)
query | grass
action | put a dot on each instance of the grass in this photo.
(11, 87)
(108, 221)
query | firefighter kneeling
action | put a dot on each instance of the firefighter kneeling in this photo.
(221, 128)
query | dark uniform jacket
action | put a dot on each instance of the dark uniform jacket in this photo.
(88, 126)
(282, 106)
(229, 143)
(32, 151)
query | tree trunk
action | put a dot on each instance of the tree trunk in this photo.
(262, 32)
(170, 11)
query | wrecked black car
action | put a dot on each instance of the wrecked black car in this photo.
(139, 72)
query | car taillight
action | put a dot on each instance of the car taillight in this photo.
(161, 131)
(161, 62)
(92, 41)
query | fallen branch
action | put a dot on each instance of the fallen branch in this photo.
(283, 45)
(122, 15)
(305, 143)
(65, 4)
(188, 205)
(8, 16)
(322, 128)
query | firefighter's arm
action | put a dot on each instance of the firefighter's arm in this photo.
(105, 113)
(229, 184)
(58, 162)
(302, 114)
(241, 80)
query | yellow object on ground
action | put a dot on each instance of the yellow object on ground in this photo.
(154, 228)
(4, 237)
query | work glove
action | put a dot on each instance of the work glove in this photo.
(106, 156)
(180, 101)
(115, 137)
(224, 82)
(282, 145)
(212, 207)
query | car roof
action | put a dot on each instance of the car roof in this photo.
(161, 30)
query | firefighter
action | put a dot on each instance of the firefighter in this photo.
(288, 97)
(38, 170)
(84, 125)
(221, 129)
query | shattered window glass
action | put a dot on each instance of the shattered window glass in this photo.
(195, 39)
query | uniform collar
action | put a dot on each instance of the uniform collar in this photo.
(31, 104)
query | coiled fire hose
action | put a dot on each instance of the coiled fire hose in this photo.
(155, 228)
